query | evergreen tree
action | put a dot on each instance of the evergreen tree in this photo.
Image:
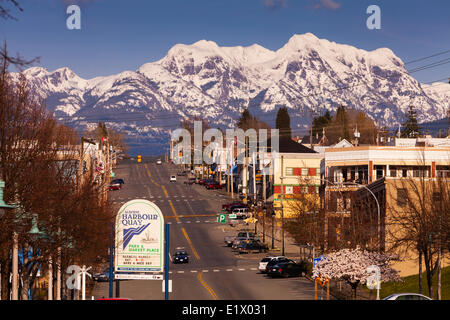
(411, 128)
(283, 122)
(245, 120)
(321, 122)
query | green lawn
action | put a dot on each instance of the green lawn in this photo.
(411, 284)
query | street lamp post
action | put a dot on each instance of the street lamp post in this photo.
(15, 257)
(273, 216)
(378, 210)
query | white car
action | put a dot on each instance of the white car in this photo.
(158, 161)
(173, 178)
(263, 263)
(407, 296)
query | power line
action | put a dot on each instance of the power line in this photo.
(424, 58)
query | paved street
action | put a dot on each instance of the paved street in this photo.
(214, 271)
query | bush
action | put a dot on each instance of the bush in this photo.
(306, 267)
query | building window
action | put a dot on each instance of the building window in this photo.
(402, 197)
(312, 172)
(304, 172)
(289, 171)
(393, 172)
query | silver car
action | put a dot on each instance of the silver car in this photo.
(407, 296)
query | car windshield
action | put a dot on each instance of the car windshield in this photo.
(266, 259)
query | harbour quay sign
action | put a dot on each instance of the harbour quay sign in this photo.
(139, 238)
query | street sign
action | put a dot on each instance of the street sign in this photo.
(137, 276)
(222, 218)
(139, 237)
(233, 216)
(317, 260)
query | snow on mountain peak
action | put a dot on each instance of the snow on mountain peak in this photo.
(217, 83)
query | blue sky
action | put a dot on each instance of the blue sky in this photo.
(118, 35)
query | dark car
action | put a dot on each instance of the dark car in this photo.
(285, 269)
(101, 276)
(249, 247)
(227, 205)
(214, 185)
(277, 260)
(206, 182)
(114, 186)
(180, 256)
(120, 181)
(181, 173)
(237, 206)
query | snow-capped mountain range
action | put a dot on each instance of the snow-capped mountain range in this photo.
(217, 83)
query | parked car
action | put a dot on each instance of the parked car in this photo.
(285, 269)
(275, 261)
(180, 256)
(253, 246)
(181, 173)
(213, 185)
(206, 182)
(237, 206)
(263, 263)
(101, 276)
(115, 186)
(241, 235)
(173, 178)
(158, 161)
(226, 206)
(190, 181)
(118, 181)
(237, 241)
(407, 296)
(240, 213)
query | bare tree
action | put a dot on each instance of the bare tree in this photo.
(419, 220)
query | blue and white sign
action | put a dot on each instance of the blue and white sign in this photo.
(317, 260)
(139, 237)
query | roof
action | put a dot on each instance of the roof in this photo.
(287, 145)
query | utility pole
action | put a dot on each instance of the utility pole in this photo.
(58, 275)
(50, 279)
(15, 267)
(311, 130)
(281, 203)
(254, 177)
(264, 197)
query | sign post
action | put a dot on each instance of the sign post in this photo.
(166, 266)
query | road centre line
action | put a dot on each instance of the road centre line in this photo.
(211, 291)
(176, 216)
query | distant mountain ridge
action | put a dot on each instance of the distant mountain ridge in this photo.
(218, 83)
